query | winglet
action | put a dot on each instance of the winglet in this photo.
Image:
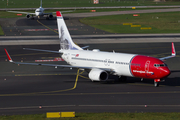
(173, 53)
(9, 57)
(173, 50)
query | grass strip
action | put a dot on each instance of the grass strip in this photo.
(100, 116)
(158, 22)
(1, 31)
(81, 3)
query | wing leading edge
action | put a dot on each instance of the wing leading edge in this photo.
(22, 12)
(35, 13)
(42, 50)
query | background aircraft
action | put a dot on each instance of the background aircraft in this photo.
(39, 12)
(102, 64)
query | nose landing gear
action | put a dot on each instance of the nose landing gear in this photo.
(156, 82)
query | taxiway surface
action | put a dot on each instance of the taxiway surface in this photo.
(24, 88)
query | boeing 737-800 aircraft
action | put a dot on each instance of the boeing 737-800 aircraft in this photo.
(101, 64)
(39, 12)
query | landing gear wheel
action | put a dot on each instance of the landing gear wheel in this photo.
(156, 84)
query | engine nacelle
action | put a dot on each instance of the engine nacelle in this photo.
(50, 16)
(98, 75)
(28, 16)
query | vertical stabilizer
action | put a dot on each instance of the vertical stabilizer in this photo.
(41, 4)
(65, 38)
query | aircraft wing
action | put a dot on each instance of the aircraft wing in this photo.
(61, 66)
(21, 12)
(55, 12)
(65, 11)
(173, 53)
(55, 65)
(41, 50)
(35, 14)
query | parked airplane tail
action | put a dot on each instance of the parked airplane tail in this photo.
(65, 38)
(41, 4)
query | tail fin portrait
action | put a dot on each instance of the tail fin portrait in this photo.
(41, 3)
(66, 42)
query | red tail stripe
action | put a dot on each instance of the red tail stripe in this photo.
(173, 49)
(58, 14)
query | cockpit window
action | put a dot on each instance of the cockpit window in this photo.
(160, 65)
(38, 10)
(156, 65)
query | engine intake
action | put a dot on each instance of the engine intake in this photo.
(28, 16)
(98, 75)
(50, 16)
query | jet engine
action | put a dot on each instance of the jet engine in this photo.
(51, 16)
(98, 75)
(28, 16)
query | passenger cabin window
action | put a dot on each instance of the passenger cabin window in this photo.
(38, 10)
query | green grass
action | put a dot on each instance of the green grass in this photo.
(4, 14)
(101, 116)
(1, 31)
(80, 3)
(159, 22)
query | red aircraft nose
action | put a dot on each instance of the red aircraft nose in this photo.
(165, 72)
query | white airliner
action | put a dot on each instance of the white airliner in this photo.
(39, 12)
(102, 64)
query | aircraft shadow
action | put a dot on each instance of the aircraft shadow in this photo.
(115, 80)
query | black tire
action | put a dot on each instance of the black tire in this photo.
(156, 84)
